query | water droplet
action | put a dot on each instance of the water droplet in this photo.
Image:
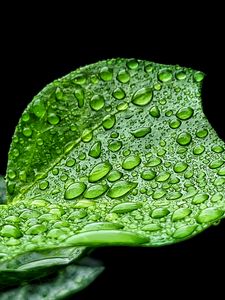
(180, 214)
(185, 113)
(94, 79)
(122, 106)
(217, 149)
(221, 171)
(153, 162)
(184, 231)
(121, 188)
(148, 174)
(159, 213)
(199, 149)
(119, 94)
(188, 174)
(210, 214)
(173, 195)
(165, 75)
(22, 176)
(141, 132)
(199, 76)
(202, 133)
(95, 150)
(36, 229)
(79, 94)
(131, 162)
(174, 123)
(95, 191)
(163, 176)
(151, 227)
(11, 174)
(106, 74)
(200, 198)
(84, 203)
(217, 197)
(27, 131)
(43, 185)
(125, 207)
(102, 226)
(25, 117)
(11, 231)
(15, 152)
(132, 64)
(115, 146)
(106, 237)
(80, 79)
(157, 86)
(87, 135)
(143, 96)
(219, 181)
(38, 108)
(123, 76)
(216, 164)
(53, 119)
(74, 190)
(149, 68)
(184, 138)
(55, 171)
(78, 214)
(114, 175)
(109, 121)
(180, 167)
(99, 171)
(97, 102)
(158, 194)
(181, 75)
(70, 162)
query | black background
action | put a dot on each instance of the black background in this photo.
(38, 49)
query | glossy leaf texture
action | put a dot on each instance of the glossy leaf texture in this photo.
(115, 153)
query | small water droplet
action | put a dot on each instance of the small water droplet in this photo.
(153, 162)
(141, 132)
(109, 121)
(217, 149)
(55, 171)
(185, 113)
(143, 96)
(123, 76)
(70, 162)
(180, 167)
(38, 108)
(15, 152)
(132, 64)
(125, 207)
(106, 74)
(198, 76)
(173, 195)
(158, 194)
(184, 138)
(199, 149)
(11, 174)
(181, 213)
(149, 68)
(87, 135)
(25, 117)
(99, 171)
(188, 174)
(43, 185)
(148, 174)
(165, 75)
(202, 133)
(131, 162)
(95, 150)
(95, 191)
(159, 213)
(27, 131)
(121, 188)
(74, 190)
(210, 214)
(163, 176)
(119, 94)
(115, 146)
(39, 142)
(97, 102)
(53, 119)
(80, 79)
(157, 86)
(181, 75)
(174, 123)
(184, 231)
(114, 175)
(79, 94)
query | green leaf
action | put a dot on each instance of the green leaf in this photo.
(118, 144)
(61, 284)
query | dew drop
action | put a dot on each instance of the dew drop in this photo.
(115, 146)
(200, 198)
(184, 231)
(119, 94)
(36, 229)
(181, 213)
(184, 138)
(102, 226)
(217, 149)
(114, 175)
(153, 162)
(109, 121)
(27, 131)
(43, 185)
(198, 76)
(125, 207)
(202, 133)
(148, 174)
(22, 176)
(217, 197)
(163, 176)
(84, 203)
(123, 76)
(180, 167)
(143, 96)
(131, 162)
(95, 150)
(199, 149)
(121, 188)
(174, 123)
(149, 68)
(53, 119)
(97, 102)
(132, 64)
(151, 227)
(173, 195)
(74, 190)
(25, 117)
(11, 231)
(70, 162)
(11, 174)
(95, 191)
(209, 215)
(55, 171)
(154, 112)
(87, 135)
(165, 75)
(159, 213)
(221, 171)
(141, 132)
(216, 164)
(185, 113)
(79, 94)
(99, 171)
(38, 108)
(158, 194)
(181, 75)
(122, 106)
(106, 74)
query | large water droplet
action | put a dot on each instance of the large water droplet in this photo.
(216, 163)
(202, 133)
(95, 191)
(199, 76)
(143, 96)
(131, 162)
(159, 213)
(70, 162)
(153, 162)
(221, 171)
(185, 113)
(125, 207)
(200, 198)
(99, 171)
(210, 214)
(74, 190)
(109, 121)
(181, 213)
(180, 167)
(115, 146)
(36, 229)
(123, 76)
(97, 102)
(11, 231)
(199, 149)
(148, 174)
(95, 150)
(141, 132)
(132, 64)
(184, 231)
(154, 112)
(173, 195)
(181, 75)
(53, 119)
(38, 108)
(217, 149)
(114, 175)
(217, 197)
(79, 94)
(119, 94)
(121, 188)
(184, 138)
(106, 74)
(165, 75)
(174, 123)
